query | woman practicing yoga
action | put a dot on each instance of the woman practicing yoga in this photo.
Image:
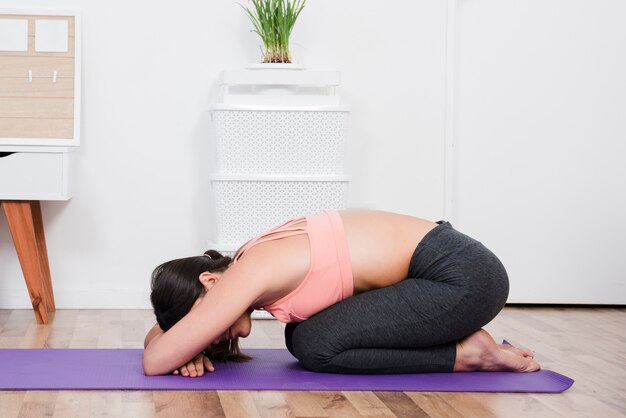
(361, 293)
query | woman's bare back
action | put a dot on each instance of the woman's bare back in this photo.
(381, 245)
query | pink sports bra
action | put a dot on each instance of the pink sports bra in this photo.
(329, 279)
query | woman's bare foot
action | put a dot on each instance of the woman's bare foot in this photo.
(479, 352)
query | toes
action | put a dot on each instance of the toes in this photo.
(530, 365)
(527, 352)
(534, 366)
(512, 359)
(519, 350)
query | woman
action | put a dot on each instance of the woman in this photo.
(361, 292)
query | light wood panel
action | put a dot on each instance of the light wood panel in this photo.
(587, 344)
(40, 87)
(49, 108)
(42, 128)
(41, 66)
(37, 88)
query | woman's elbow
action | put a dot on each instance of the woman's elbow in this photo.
(149, 367)
(149, 372)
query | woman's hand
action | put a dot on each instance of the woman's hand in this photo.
(195, 367)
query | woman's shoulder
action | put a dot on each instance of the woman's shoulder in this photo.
(278, 265)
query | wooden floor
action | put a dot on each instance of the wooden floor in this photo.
(587, 344)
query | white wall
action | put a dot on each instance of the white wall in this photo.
(540, 143)
(150, 70)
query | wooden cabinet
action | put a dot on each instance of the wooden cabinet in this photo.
(39, 81)
(39, 131)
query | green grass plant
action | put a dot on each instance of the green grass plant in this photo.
(273, 21)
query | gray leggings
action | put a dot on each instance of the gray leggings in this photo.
(455, 286)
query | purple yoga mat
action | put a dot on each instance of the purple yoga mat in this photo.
(271, 369)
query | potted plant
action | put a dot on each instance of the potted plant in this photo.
(273, 21)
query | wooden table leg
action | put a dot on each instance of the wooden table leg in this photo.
(42, 250)
(26, 227)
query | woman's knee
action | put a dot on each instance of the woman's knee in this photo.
(312, 348)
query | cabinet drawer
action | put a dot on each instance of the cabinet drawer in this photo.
(35, 176)
(48, 130)
(39, 87)
(49, 108)
(40, 67)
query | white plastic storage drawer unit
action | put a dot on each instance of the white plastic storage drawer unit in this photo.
(248, 205)
(35, 175)
(285, 140)
(279, 150)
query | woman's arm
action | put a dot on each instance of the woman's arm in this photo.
(193, 368)
(154, 332)
(223, 304)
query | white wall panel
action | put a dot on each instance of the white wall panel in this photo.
(540, 143)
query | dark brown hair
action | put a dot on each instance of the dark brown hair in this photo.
(175, 288)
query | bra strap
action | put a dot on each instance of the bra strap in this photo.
(286, 227)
